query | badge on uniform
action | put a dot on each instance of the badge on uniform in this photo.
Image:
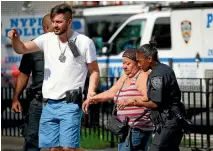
(157, 82)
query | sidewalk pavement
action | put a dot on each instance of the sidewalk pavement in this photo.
(16, 144)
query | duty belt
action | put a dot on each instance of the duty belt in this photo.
(34, 93)
(72, 96)
(38, 96)
(159, 118)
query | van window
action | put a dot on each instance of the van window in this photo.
(129, 36)
(162, 33)
(101, 28)
(104, 25)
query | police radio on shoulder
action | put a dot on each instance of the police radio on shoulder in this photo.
(74, 48)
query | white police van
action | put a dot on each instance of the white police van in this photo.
(184, 35)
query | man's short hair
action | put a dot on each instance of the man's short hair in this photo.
(61, 9)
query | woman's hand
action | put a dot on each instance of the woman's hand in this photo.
(121, 104)
(86, 104)
(124, 103)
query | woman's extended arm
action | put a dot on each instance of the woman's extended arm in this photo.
(141, 85)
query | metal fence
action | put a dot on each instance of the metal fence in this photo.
(197, 95)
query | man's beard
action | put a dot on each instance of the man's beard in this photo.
(59, 32)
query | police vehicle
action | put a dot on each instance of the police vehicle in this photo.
(184, 35)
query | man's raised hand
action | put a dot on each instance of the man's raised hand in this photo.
(13, 34)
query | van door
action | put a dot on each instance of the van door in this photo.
(187, 42)
(128, 37)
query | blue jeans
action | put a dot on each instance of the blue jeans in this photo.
(139, 141)
(31, 126)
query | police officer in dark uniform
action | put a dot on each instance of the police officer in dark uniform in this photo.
(163, 99)
(31, 63)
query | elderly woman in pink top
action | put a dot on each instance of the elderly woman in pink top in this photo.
(130, 85)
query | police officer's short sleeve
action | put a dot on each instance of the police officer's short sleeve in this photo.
(26, 64)
(155, 88)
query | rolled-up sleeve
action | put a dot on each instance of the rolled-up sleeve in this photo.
(26, 64)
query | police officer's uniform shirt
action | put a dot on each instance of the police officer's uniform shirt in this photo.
(33, 63)
(162, 86)
(60, 77)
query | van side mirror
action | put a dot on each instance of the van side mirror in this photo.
(105, 49)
